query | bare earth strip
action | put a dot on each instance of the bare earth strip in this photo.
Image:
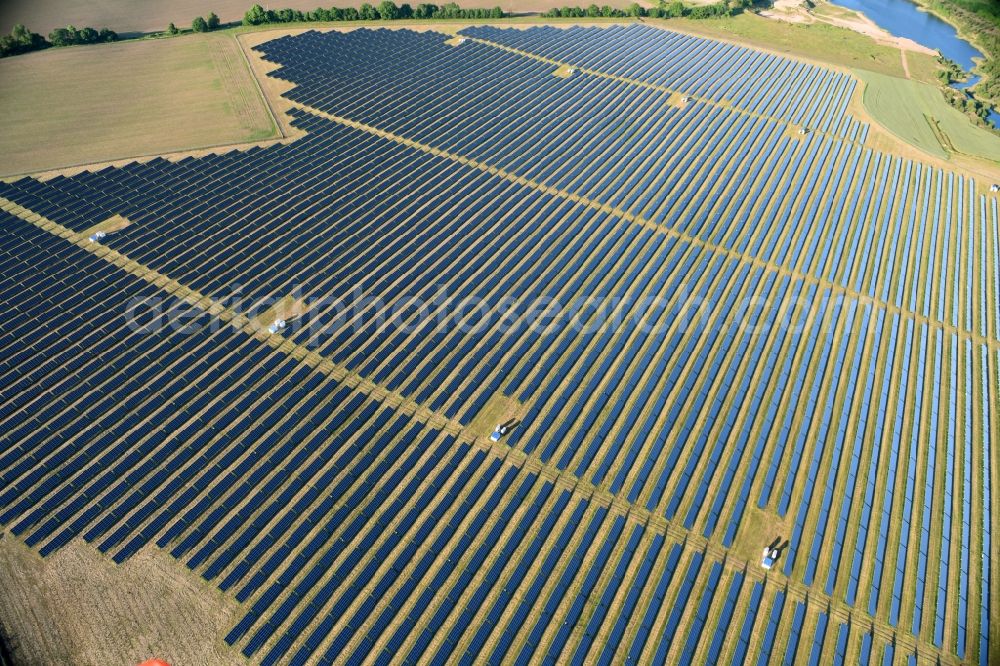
(109, 102)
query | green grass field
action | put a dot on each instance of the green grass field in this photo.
(78, 105)
(917, 113)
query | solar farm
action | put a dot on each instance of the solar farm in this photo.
(715, 319)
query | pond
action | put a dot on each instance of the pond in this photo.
(903, 18)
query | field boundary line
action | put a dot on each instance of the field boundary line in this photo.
(195, 151)
(260, 89)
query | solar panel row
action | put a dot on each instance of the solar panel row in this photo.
(620, 144)
(282, 503)
(751, 80)
(315, 504)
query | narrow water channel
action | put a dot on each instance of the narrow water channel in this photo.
(903, 18)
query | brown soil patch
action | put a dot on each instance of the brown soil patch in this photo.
(795, 132)
(110, 225)
(78, 607)
(498, 409)
(287, 308)
(759, 529)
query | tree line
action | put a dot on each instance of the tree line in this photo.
(384, 11)
(981, 21)
(206, 24)
(967, 104)
(675, 9)
(199, 24)
(22, 40)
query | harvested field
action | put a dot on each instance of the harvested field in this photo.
(96, 103)
(79, 607)
(127, 16)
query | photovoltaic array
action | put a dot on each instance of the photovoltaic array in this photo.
(805, 344)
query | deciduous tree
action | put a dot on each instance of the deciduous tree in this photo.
(255, 16)
(387, 10)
